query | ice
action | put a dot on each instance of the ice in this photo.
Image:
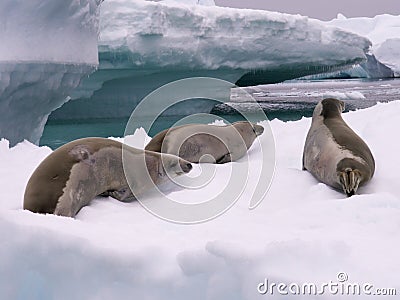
(29, 92)
(46, 48)
(144, 45)
(303, 231)
(353, 95)
(192, 2)
(382, 30)
(152, 34)
(62, 31)
(371, 68)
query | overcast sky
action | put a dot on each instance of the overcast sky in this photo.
(320, 9)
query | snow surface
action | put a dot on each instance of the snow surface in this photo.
(303, 231)
(382, 30)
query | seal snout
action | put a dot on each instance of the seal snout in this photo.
(258, 129)
(186, 166)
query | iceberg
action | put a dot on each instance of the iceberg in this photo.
(192, 2)
(144, 45)
(46, 48)
(382, 30)
(371, 68)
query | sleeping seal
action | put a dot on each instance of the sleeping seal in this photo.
(74, 174)
(333, 152)
(211, 143)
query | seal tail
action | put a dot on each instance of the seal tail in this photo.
(350, 180)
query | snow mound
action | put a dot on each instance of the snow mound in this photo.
(302, 232)
(382, 30)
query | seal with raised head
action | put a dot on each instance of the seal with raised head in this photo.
(207, 143)
(333, 152)
(71, 176)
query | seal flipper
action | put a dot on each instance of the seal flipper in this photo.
(124, 194)
(350, 180)
(78, 191)
(80, 153)
(224, 159)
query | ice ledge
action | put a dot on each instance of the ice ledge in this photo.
(49, 31)
(47, 47)
(144, 45)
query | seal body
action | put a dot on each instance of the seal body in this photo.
(71, 176)
(207, 143)
(333, 152)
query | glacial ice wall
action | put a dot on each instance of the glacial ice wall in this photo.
(58, 31)
(382, 30)
(145, 44)
(145, 34)
(191, 2)
(371, 68)
(46, 48)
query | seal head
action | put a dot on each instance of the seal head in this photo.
(207, 143)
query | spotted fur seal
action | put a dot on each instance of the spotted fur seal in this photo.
(210, 143)
(71, 176)
(334, 153)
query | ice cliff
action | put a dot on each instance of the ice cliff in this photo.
(144, 45)
(382, 30)
(46, 48)
(49, 46)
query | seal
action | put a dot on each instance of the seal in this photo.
(71, 176)
(334, 153)
(207, 143)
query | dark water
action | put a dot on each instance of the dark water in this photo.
(57, 133)
(286, 101)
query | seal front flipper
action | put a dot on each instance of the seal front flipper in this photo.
(224, 159)
(124, 194)
(350, 180)
(80, 153)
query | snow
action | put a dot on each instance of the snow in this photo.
(382, 30)
(303, 231)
